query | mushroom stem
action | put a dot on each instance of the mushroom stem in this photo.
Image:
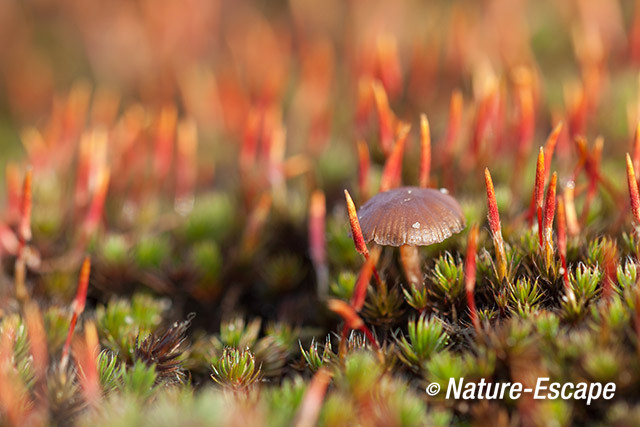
(374, 252)
(410, 259)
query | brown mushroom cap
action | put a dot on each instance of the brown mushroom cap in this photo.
(410, 216)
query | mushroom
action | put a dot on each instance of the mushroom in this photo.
(409, 217)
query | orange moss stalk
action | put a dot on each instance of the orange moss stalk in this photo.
(449, 142)
(550, 147)
(577, 108)
(425, 151)
(318, 62)
(24, 230)
(271, 122)
(364, 102)
(386, 118)
(388, 64)
(633, 190)
(356, 233)
(96, 208)
(591, 160)
(74, 111)
(92, 157)
(24, 236)
(37, 343)
(392, 172)
(609, 272)
(362, 284)
(526, 113)
(562, 244)
(85, 351)
(317, 242)
(573, 227)
(538, 195)
(485, 115)
(423, 68)
(494, 225)
(77, 307)
(312, 401)
(255, 223)
(277, 149)
(249, 144)
(537, 198)
(470, 275)
(561, 231)
(539, 188)
(549, 213)
(351, 320)
(164, 139)
(83, 171)
(363, 168)
(581, 146)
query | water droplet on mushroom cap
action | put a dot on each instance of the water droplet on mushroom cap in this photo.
(390, 218)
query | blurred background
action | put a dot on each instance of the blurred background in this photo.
(217, 60)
